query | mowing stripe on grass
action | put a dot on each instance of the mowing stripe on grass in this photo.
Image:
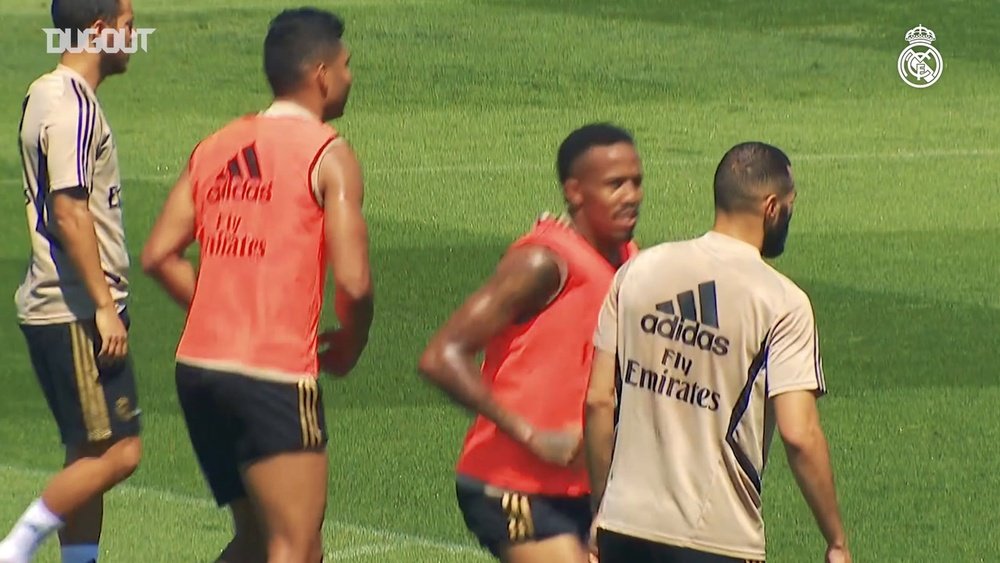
(508, 167)
(397, 539)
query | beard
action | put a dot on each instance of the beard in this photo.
(775, 235)
(112, 64)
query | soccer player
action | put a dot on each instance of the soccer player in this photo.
(709, 347)
(521, 486)
(271, 199)
(72, 303)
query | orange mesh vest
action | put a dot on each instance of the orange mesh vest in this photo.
(540, 369)
(260, 231)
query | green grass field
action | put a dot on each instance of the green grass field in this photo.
(456, 112)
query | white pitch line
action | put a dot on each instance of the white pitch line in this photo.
(352, 553)
(510, 167)
(401, 539)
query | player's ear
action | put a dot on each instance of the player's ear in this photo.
(771, 207)
(99, 26)
(573, 192)
(320, 77)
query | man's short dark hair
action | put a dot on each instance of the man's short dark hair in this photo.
(78, 15)
(747, 172)
(585, 138)
(296, 39)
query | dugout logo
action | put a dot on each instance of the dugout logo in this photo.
(92, 41)
(920, 64)
(687, 327)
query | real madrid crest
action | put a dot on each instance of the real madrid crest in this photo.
(920, 64)
(122, 409)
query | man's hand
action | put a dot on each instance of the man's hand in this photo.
(559, 447)
(339, 352)
(594, 554)
(838, 554)
(114, 337)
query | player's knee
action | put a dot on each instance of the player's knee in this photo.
(244, 548)
(251, 544)
(125, 455)
(294, 547)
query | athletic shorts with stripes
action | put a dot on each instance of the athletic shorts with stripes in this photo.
(92, 402)
(234, 420)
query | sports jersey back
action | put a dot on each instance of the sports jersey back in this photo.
(66, 142)
(259, 225)
(705, 332)
(540, 369)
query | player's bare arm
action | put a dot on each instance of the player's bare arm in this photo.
(525, 281)
(75, 228)
(797, 418)
(599, 423)
(163, 256)
(342, 186)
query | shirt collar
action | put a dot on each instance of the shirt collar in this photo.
(730, 243)
(63, 69)
(287, 108)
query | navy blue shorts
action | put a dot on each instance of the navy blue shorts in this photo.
(619, 548)
(501, 518)
(91, 402)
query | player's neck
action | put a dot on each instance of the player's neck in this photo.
(316, 109)
(746, 228)
(610, 250)
(86, 66)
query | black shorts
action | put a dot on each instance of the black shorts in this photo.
(234, 420)
(500, 518)
(90, 402)
(619, 548)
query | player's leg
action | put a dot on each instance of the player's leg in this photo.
(102, 441)
(519, 528)
(292, 509)
(249, 543)
(213, 432)
(285, 464)
(564, 548)
(77, 492)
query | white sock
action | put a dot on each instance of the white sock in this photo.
(36, 524)
(79, 554)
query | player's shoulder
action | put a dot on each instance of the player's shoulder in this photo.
(786, 291)
(543, 240)
(52, 91)
(234, 127)
(652, 256)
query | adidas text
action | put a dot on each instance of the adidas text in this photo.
(674, 328)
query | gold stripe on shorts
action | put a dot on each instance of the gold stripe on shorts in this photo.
(526, 519)
(520, 525)
(91, 393)
(309, 413)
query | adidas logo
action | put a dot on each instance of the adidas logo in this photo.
(686, 321)
(240, 179)
(249, 161)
